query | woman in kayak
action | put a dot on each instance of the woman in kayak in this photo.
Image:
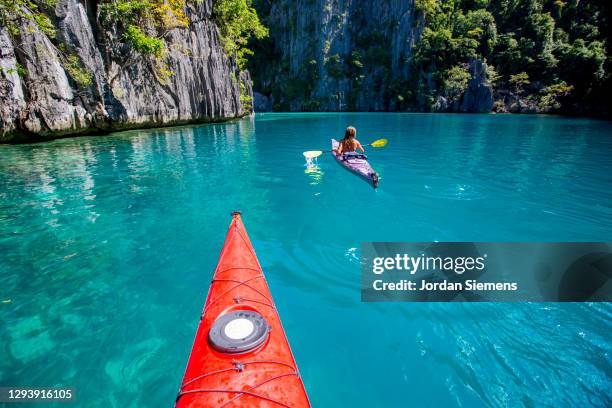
(349, 144)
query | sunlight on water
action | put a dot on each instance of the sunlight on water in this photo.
(315, 173)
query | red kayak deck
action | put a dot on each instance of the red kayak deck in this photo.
(266, 376)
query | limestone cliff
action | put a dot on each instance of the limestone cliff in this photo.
(476, 97)
(412, 55)
(335, 54)
(40, 96)
(349, 55)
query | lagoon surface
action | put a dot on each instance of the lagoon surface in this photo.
(108, 244)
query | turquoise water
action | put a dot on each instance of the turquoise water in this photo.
(108, 244)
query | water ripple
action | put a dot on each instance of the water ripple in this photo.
(108, 245)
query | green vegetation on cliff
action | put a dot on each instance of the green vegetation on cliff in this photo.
(238, 22)
(141, 28)
(540, 55)
(551, 51)
(144, 23)
(14, 12)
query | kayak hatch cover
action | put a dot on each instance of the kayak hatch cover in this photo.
(240, 356)
(359, 166)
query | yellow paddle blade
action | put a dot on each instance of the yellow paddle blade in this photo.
(311, 154)
(379, 143)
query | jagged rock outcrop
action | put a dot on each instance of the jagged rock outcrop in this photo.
(510, 102)
(12, 98)
(336, 55)
(44, 100)
(441, 104)
(478, 96)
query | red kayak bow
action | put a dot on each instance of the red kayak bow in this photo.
(240, 355)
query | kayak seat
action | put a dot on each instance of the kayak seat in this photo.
(354, 155)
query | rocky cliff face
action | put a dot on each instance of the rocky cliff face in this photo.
(335, 54)
(477, 97)
(40, 97)
(343, 55)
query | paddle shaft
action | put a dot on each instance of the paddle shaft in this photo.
(317, 153)
(328, 151)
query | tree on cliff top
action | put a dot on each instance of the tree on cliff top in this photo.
(238, 22)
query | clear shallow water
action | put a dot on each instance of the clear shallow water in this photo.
(108, 244)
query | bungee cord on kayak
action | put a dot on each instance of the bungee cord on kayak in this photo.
(239, 392)
(249, 391)
(240, 350)
(239, 367)
(239, 283)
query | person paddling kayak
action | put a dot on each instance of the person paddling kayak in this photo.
(345, 153)
(349, 144)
